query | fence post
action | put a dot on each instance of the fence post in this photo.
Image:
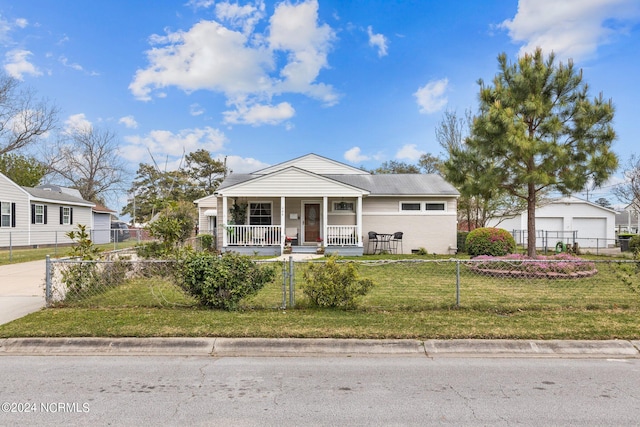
(47, 286)
(10, 247)
(284, 285)
(457, 283)
(292, 299)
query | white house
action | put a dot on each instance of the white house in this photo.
(567, 219)
(313, 199)
(40, 216)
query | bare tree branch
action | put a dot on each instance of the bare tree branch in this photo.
(23, 118)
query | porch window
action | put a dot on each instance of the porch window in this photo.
(260, 213)
(343, 206)
(5, 214)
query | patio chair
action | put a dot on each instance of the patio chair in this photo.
(292, 233)
(396, 240)
(373, 240)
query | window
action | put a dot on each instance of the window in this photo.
(437, 206)
(343, 206)
(260, 213)
(410, 206)
(66, 215)
(5, 214)
(38, 214)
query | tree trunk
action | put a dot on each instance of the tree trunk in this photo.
(531, 222)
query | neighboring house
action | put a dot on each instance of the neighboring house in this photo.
(592, 225)
(101, 231)
(314, 200)
(40, 216)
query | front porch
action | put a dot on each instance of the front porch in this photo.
(272, 240)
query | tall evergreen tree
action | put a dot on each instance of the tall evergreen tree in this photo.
(537, 131)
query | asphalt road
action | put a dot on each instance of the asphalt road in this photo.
(294, 391)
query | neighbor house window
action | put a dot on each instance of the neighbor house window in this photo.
(5, 214)
(260, 213)
(410, 206)
(343, 206)
(434, 206)
(38, 214)
(65, 215)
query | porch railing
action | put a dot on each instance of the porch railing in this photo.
(253, 235)
(342, 235)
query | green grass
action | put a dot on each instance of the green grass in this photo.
(30, 254)
(412, 300)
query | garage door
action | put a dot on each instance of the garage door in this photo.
(592, 232)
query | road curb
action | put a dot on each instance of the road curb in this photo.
(108, 346)
(317, 347)
(296, 347)
(532, 348)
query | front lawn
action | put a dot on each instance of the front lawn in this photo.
(411, 300)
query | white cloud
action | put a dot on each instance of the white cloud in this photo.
(129, 122)
(571, 28)
(196, 109)
(244, 17)
(204, 4)
(431, 97)
(166, 144)
(77, 122)
(377, 40)
(354, 155)
(257, 115)
(238, 164)
(17, 64)
(409, 152)
(243, 64)
(74, 66)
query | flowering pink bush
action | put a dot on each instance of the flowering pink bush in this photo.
(490, 241)
(562, 263)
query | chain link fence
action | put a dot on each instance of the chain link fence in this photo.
(400, 285)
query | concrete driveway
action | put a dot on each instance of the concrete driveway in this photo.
(21, 289)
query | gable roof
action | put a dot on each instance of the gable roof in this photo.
(314, 163)
(374, 185)
(48, 195)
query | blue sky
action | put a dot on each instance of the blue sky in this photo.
(261, 82)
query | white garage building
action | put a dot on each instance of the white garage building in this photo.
(565, 219)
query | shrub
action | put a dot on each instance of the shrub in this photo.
(490, 241)
(206, 241)
(331, 284)
(174, 225)
(222, 281)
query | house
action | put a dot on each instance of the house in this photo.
(41, 215)
(568, 219)
(101, 230)
(314, 201)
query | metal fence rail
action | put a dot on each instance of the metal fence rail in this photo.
(400, 285)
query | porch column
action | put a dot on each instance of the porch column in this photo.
(325, 217)
(282, 222)
(224, 221)
(359, 221)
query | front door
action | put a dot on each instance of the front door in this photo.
(311, 222)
